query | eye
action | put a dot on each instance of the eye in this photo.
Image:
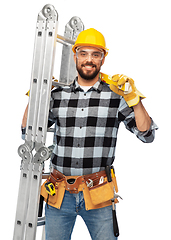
(83, 54)
(96, 55)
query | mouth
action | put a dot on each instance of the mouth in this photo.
(89, 67)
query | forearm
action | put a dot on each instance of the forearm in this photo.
(24, 120)
(143, 121)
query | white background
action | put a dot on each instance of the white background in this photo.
(138, 37)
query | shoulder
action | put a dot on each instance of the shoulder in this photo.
(106, 89)
(61, 88)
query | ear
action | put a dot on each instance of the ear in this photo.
(103, 60)
(75, 58)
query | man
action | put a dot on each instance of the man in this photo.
(88, 114)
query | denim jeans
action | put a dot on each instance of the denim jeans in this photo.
(60, 222)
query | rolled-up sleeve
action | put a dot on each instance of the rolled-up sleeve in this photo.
(126, 114)
(147, 136)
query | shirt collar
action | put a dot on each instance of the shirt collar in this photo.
(97, 86)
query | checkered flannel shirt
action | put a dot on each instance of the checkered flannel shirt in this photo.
(87, 127)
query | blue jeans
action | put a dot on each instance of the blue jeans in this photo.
(60, 222)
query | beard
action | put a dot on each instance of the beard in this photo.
(88, 76)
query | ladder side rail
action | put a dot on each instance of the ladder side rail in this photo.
(43, 111)
(66, 57)
(68, 68)
(42, 153)
(23, 195)
(35, 83)
(32, 213)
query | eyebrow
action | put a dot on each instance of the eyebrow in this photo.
(96, 51)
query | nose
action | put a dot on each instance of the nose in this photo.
(89, 57)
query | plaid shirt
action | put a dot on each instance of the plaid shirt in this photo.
(87, 127)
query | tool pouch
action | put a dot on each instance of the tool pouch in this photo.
(57, 199)
(101, 193)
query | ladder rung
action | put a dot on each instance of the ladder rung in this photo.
(65, 40)
(41, 221)
(45, 175)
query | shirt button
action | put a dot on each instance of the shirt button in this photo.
(84, 94)
(82, 109)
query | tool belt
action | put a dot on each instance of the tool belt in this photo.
(97, 191)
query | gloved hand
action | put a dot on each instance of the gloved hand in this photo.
(124, 86)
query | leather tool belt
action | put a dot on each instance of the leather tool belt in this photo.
(97, 191)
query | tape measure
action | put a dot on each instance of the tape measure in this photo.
(50, 188)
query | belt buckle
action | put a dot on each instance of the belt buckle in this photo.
(70, 185)
(71, 180)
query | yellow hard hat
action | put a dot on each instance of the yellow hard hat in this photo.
(90, 37)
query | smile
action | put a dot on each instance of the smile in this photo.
(88, 67)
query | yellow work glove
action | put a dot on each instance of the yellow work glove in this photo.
(131, 95)
(124, 86)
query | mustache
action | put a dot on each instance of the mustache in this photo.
(88, 64)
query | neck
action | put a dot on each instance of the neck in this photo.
(84, 82)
